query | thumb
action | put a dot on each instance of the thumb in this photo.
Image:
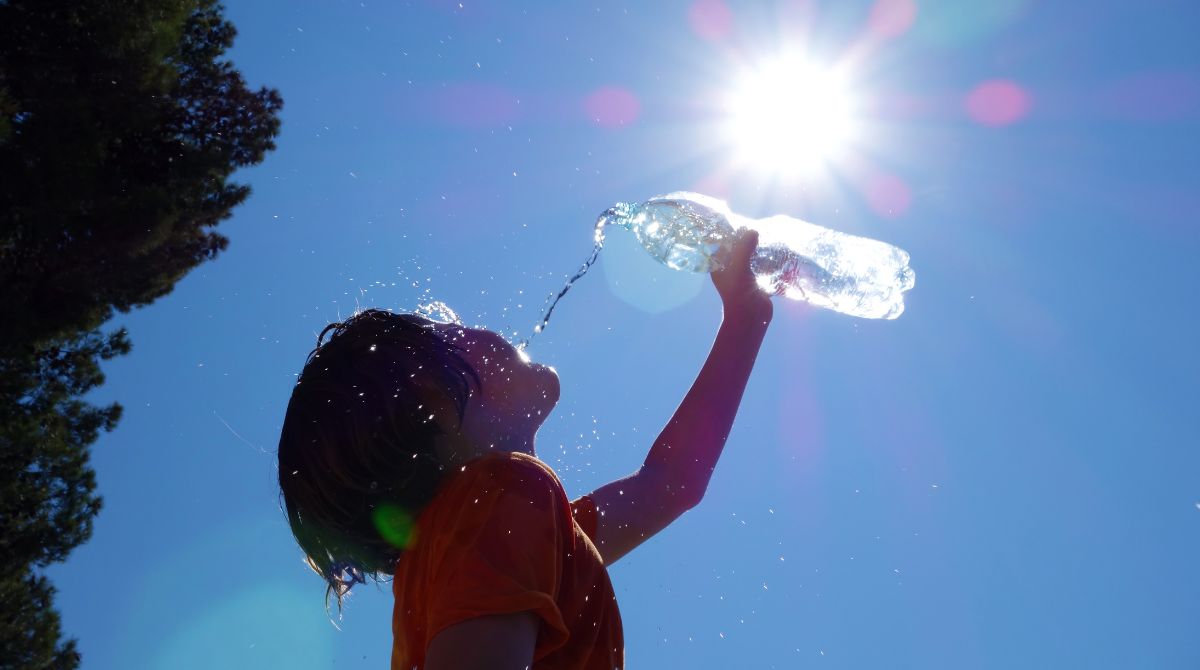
(747, 242)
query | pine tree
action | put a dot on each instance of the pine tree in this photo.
(121, 122)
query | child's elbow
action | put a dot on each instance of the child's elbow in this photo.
(688, 499)
(673, 492)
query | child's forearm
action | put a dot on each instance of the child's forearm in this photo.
(676, 472)
(688, 448)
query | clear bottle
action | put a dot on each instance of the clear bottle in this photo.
(800, 260)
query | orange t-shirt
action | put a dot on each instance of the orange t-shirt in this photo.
(500, 537)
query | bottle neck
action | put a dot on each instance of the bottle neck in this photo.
(619, 215)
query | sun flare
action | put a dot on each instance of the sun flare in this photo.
(789, 116)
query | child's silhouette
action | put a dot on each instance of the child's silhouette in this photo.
(408, 451)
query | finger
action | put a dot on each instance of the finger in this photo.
(746, 244)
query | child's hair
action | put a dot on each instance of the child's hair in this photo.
(356, 453)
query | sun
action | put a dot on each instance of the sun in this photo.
(789, 116)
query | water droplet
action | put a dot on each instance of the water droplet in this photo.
(440, 312)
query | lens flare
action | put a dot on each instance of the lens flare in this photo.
(612, 107)
(711, 19)
(998, 103)
(394, 525)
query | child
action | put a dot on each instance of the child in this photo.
(408, 451)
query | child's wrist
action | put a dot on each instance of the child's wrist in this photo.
(752, 316)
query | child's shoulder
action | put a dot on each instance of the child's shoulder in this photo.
(513, 468)
(500, 483)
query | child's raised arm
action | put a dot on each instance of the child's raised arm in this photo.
(676, 472)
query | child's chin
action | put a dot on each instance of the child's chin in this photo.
(551, 390)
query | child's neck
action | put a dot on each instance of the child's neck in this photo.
(459, 449)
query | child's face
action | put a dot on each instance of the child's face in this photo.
(515, 393)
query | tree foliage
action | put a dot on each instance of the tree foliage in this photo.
(47, 498)
(123, 125)
(121, 122)
(30, 629)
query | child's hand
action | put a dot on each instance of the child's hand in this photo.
(736, 284)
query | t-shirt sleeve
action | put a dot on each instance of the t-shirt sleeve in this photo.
(583, 509)
(507, 553)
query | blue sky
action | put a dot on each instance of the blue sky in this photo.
(1006, 476)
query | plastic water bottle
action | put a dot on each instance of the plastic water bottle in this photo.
(800, 260)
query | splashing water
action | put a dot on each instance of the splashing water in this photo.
(598, 236)
(438, 311)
